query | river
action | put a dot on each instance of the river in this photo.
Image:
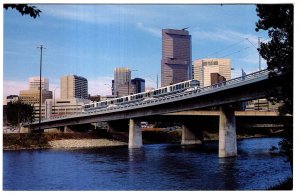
(153, 167)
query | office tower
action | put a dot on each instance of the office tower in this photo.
(176, 56)
(122, 82)
(138, 85)
(34, 83)
(203, 68)
(73, 86)
(32, 95)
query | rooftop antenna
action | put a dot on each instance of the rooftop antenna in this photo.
(185, 28)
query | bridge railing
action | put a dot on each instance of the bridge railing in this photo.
(197, 91)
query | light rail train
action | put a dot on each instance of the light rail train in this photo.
(163, 91)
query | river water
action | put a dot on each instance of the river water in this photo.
(153, 167)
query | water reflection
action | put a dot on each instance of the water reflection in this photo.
(227, 170)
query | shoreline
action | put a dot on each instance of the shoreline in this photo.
(70, 144)
(82, 143)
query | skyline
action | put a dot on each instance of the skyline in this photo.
(92, 40)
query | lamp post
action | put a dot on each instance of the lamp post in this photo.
(40, 102)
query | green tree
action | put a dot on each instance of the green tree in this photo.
(18, 112)
(278, 20)
(24, 9)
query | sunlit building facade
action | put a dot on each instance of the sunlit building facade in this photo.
(176, 56)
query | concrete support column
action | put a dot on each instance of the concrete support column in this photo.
(110, 127)
(191, 135)
(135, 134)
(67, 129)
(227, 132)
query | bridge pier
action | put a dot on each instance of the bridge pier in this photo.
(135, 134)
(191, 134)
(227, 132)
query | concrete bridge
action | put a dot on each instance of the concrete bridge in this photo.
(223, 95)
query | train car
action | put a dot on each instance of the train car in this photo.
(167, 90)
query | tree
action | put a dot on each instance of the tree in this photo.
(24, 9)
(278, 52)
(18, 112)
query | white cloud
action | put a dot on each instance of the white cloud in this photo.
(100, 86)
(153, 31)
(223, 35)
(13, 87)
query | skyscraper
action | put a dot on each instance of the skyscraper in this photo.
(202, 69)
(122, 82)
(73, 86)
(176, 56)
(138, 85)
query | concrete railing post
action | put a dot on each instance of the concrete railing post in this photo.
(189, 136)
(227, 132)
(135, 134)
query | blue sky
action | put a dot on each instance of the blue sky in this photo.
(91, 40)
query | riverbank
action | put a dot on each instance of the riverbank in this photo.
(19, 141)
(84, 143)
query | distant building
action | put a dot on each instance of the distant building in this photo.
(122, 82)
(62, 107)
(73, 86)
(216, 78)
(11, 98)
(261, 105)
(32, 95)
(202, 69)
(94, 98)
(138, 85)
(176, 56)
(34, 83)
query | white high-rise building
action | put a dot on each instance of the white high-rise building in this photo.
(202, 69)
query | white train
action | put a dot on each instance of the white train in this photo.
(167, 90)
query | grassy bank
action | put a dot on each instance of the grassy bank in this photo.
(17, 141)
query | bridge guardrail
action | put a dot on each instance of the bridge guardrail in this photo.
(197, 91)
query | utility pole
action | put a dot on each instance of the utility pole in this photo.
(40, 106)
(259, 58)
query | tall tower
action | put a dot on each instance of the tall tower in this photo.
(73, 86)
(122, 82)
(176, 56)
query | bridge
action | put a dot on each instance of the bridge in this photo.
(223, 95)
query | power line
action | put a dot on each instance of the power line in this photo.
(238, 51)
